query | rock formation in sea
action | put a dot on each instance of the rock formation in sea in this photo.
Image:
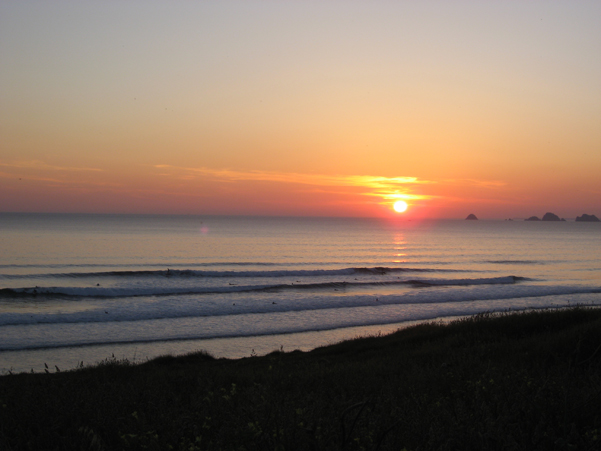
(551, 217)
(532, 218)
(587, 218)
(471, 217)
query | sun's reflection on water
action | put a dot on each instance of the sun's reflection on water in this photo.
(400, 244)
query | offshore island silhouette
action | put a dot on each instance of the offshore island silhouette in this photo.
(547, 217)
(553, 217)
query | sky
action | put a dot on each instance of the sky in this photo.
(301, 108)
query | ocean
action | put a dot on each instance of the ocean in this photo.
(77, 289)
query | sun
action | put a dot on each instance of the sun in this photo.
(400, 206)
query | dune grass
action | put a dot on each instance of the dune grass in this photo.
(522, 381)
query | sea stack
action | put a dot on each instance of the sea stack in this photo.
(587, 218)
(471, 217)
(551, 217)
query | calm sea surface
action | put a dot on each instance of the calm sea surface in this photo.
(83, 288)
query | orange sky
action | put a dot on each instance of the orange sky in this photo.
(301, 108)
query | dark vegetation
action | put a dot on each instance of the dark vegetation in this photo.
(509, 382)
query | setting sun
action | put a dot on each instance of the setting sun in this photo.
(400, 206)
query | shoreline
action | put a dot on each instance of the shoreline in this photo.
(513, 380)
(69, 357)
(72, 357)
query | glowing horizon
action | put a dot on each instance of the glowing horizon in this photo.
(301, 108)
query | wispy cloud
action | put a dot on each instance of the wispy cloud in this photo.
(8, 175)
(52, 175)
(40, 165)
(474, 182)
(387, 188)
(291, 177)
